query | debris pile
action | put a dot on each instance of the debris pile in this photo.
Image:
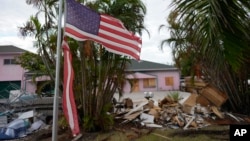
(24, 124)
(173, 111)
(23, 114)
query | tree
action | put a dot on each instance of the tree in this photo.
(45, 34)
(220, 29)
(103, 73)
(98, 73)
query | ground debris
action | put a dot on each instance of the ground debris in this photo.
(171, 113)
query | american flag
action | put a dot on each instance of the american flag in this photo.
(83, 23)
(69, 106)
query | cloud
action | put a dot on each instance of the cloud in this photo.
(26, 44)
(157, 11)
(15, 13)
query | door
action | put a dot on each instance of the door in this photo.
(135, 86)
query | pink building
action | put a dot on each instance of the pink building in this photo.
(12, 75)
(142, 76)
(149, 76)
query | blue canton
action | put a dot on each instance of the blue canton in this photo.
(82, 17)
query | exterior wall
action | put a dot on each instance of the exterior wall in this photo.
(160, 82)
(30, 87)
(127, 87)
(11, 72)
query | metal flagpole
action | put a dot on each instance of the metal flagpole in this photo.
(57, 80)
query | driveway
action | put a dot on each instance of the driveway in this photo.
(157, 95)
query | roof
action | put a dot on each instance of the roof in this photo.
(139, 75)
(148, 66)
(11, 49)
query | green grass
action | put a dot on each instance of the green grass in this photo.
(213, 133)
(210, 133)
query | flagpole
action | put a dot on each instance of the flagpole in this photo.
(57, 80)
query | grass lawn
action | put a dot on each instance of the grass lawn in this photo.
(210, 133)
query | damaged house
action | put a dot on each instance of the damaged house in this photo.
(12, 75)
(149, 76)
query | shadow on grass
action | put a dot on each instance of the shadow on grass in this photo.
(213, 134)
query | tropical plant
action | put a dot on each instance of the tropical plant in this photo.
(45, 34)
(217, 33)
(174, 96)
(103, 71)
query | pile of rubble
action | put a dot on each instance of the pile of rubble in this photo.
(174, 111)
(23, 114)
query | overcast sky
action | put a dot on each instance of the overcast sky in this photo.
(15, 13)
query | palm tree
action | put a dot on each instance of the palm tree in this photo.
(102, 72)
(98, 73)
(185, 51)
(44, 33)
(220, 29)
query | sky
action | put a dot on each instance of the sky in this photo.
(14, 13)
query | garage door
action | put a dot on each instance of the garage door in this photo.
(6, 86)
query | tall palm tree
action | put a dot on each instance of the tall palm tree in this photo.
(102, 72)
(221, 30)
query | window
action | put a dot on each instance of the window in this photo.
(169, 81)
(9, 61)
(149, 83)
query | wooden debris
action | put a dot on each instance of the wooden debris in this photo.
(234, 117)
(214, 95)
(77, 137)
(132, 116)
(149, 105)
(189, 104)
(188, 113)
(217, 112)
(178, 121)
(167, 101)
(138, 108)
(167, 138)
(189, 122)
(128, 103)
(203, 101)
(153, 125)
(154, 112)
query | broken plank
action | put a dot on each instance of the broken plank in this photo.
(217, 112)
(138, 108)
(132, 116)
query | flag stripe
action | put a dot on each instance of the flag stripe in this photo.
(109, 25)
(109, 30)
(103, 37)
(109, 36)
(121, 49)
(69, 106)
